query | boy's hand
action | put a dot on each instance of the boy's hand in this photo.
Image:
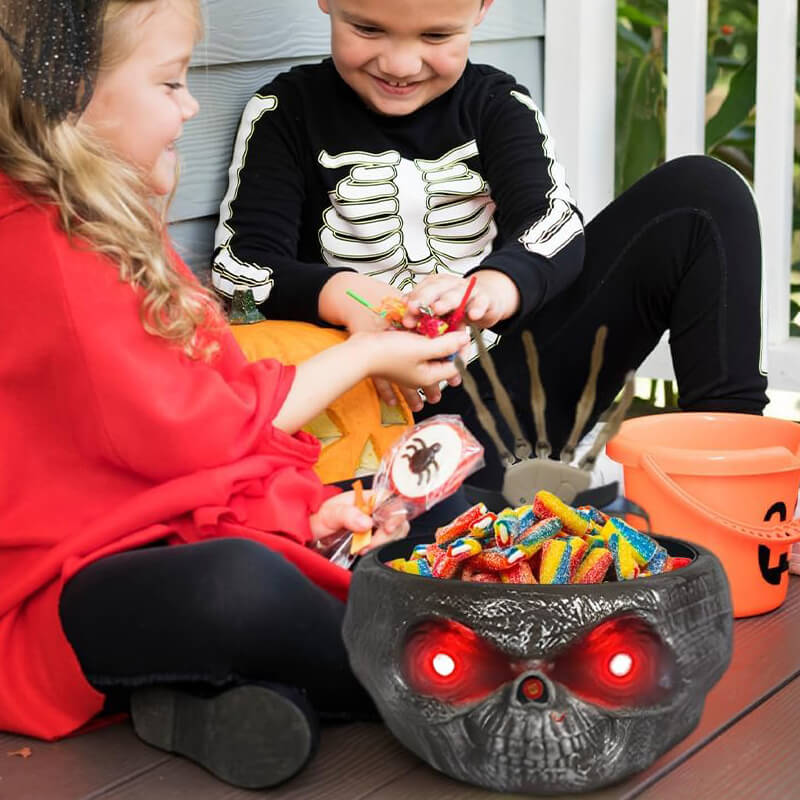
(495, 297)
(338, 308)
(339, 514)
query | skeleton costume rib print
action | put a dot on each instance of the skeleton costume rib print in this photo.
(319, 183)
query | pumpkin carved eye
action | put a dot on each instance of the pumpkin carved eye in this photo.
(357, 429)
(448, 661)
(621, 663)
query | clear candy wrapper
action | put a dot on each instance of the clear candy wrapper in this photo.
(427, 464)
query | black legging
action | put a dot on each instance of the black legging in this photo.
(215, 614)
(679, 251)
(218, 613)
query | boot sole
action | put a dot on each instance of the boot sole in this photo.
(248, 736)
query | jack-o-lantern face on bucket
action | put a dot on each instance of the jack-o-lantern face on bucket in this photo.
(540, 689)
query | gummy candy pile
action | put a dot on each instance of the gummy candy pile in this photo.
(546, 542)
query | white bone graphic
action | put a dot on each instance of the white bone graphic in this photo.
(398, 219)
(229, 273)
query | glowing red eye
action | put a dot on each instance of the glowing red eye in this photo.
(448, 661)
(622, 662)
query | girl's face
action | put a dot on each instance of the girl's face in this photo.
(140, 104)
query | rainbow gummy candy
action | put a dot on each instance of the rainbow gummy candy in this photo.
(444, 566)
(505, 527)
(463, 548)
(522, 544)
(577, 548)
(460, 525)
(483, 527)
(658, 563)
(676, 562)
(624, 557)
(484, 577)
(593, 514)
(546, 504)
(519, 573)
(419, 551)
(538, 534)
(416, 567)
(595, 540)
(643, 546)
(594, 566)
(556, 556)
(525, 519)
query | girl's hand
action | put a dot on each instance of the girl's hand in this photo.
(339, 514)
(411, 360)
(495, 297)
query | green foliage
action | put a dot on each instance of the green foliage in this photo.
(642, 42)
(642, 45)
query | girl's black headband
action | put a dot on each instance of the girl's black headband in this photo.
(57, 44)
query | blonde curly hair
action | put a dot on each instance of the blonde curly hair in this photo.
(103, 201)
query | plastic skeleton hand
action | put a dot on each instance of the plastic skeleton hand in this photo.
(399, 219)
(526, 475)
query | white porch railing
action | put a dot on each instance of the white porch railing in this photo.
(580, 96)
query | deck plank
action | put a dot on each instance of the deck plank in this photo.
(353, 761)
(756, 758)
(75, 768)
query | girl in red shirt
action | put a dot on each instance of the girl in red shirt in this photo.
(130, 420)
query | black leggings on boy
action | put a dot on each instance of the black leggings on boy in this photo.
(679, 251)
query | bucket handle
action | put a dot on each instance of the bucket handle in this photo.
(786, 532)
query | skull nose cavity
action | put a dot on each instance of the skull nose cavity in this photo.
(533, 690)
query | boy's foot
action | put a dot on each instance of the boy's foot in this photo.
(249, 736)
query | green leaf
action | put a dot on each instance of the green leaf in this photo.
(640, 120)
(629, 12)
(712, 73)
(736, 106)
(627, 36)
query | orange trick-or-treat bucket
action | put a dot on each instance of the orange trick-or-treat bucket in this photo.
(726, 481)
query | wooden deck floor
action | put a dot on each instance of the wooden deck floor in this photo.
(744, 747)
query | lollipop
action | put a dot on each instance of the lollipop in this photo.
(428, 463)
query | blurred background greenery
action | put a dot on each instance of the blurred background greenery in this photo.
(642, 42)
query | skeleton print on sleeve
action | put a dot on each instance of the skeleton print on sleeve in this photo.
(228, 272)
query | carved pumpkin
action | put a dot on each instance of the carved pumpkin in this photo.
(358, 428)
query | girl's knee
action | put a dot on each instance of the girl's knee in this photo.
(247, 581)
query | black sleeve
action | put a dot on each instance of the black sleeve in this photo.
(256, 242)
(540, 230)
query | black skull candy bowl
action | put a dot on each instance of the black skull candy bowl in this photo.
(542, 689)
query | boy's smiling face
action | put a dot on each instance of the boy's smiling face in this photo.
(399, 55)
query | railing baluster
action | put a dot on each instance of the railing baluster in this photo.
(580, 95)
(580, 101)
(686, 77)
(774, 162)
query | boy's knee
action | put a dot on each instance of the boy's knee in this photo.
(709, 184)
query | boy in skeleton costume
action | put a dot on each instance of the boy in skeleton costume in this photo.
(398, 166)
